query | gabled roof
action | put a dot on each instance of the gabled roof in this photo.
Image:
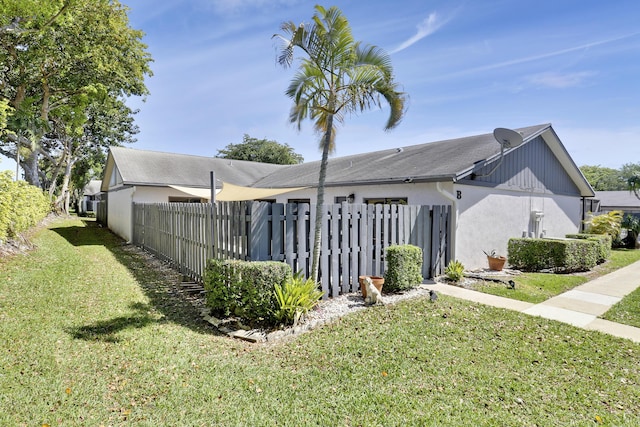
(449, 160)
(154, 168)
(92, 188)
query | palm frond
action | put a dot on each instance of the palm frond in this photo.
(634, 185)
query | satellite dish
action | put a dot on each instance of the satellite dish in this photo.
(507, 138)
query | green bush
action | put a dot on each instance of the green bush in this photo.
(295, 298)
(604, 244)
(559, 255)
(404, 267)
(244, 289)
(454, 271)
(21, 206)
(609, 223)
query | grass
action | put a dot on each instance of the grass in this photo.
(538, 287)
(92, 336)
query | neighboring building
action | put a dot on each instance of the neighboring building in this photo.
(625, 201)
(90, 197)
(534, 189)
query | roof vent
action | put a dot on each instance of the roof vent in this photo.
(399, 149)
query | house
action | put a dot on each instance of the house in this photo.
(89, 197)
(496, 191)
(153, 177)
(625, 201)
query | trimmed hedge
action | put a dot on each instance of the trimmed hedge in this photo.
(562, 256)
(244, 289)
(404, 267)
(604, 244)
(22, 206)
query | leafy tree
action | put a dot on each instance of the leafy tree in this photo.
(631, 173)
(59, 57)
(603, 179)
(337, 77)
(261, 150)
(630, 169)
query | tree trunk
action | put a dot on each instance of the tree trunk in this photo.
(317, 240)
(62, 202)
(30, 167)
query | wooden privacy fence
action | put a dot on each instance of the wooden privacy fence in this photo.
(355, 237)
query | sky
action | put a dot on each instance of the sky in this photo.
(466, 66)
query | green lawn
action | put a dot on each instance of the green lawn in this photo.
(91, 336)
(538, 287)
(626, 311)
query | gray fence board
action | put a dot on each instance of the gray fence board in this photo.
(355, 237)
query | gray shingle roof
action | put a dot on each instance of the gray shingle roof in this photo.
(617, 199)
(447, 160)
(157, 168)
(434, 161)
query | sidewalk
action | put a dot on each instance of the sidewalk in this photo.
(580, 306)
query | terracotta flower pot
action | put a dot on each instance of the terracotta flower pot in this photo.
(496, 263)
(377, 282)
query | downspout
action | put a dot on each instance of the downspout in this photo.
(454, 217)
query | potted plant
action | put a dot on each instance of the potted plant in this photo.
(496, 262)
(377, 282)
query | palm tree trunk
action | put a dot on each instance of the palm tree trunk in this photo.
(317, 240)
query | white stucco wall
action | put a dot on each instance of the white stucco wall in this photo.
(416, 193)
(488, 218)
(119, 212)
(121, 205)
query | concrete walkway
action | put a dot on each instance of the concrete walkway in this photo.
(580, 306)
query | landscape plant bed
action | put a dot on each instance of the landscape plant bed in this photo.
(538, 287)
(91, 335)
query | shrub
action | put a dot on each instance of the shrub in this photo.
(565, 256)
(454, 271)
(609, 223)
(244, 288)
(21, 206)
(404, 267)
(295, 298)
(604, 244)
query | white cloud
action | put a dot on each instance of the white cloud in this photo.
(559, 80)
(533, 58)
(231, 6)
(428, 26)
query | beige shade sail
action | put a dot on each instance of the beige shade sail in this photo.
(234, 193)
(203, 193)
(231, 192)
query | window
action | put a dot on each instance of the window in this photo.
(386, 201)
(298, 201)
(185, 199)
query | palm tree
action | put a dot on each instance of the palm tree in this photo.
(337, 76)
(634, 185)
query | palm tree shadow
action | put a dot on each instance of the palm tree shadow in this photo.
(107, 330)
(167, 302)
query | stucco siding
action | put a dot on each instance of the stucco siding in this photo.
(120, 211)
(416, 193)
(488, 218)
